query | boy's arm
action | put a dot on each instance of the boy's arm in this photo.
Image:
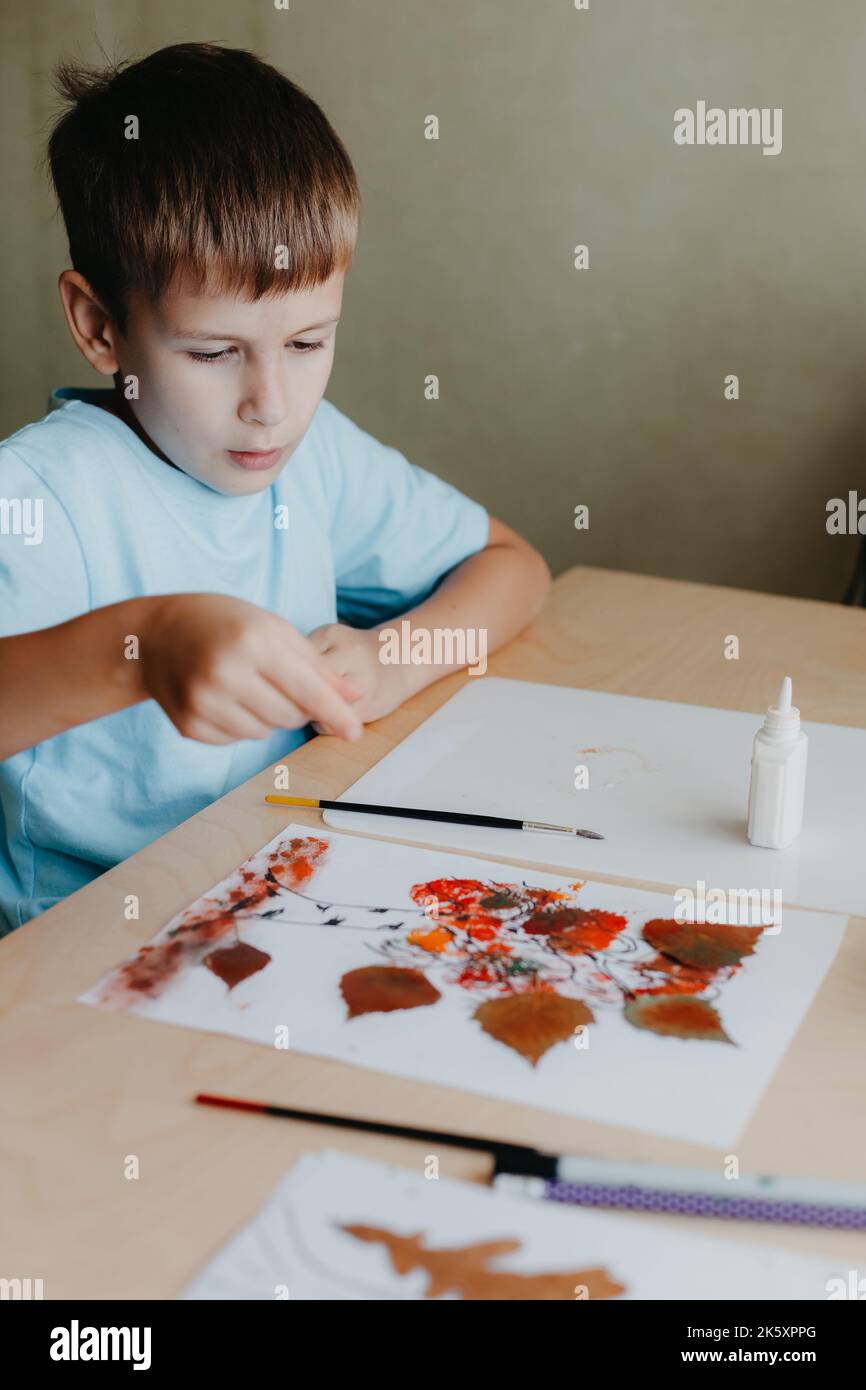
(222, 670)
(61, 676)
(499, 589)
(495, 591)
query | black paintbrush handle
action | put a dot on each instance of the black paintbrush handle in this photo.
(455, 817)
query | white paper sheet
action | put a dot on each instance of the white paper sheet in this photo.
(337, 904)
(298, 1247)
(668, 788)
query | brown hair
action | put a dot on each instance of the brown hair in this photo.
(232, 160)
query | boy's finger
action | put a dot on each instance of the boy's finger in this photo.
(309, 684)
(271, 704)
(237, 718)
(347, 688)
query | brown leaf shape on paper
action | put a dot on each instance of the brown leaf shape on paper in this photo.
(676, 1016)
(379, 989)
(465, 1269)
(236, 963)
(532, 1023)
(704, 945)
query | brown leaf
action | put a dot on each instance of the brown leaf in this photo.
(236, 963)
(379, 989)
(676, 1016)
(465, 1269)
(704, 945)
(532, 1023)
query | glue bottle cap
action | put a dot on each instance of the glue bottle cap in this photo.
(783, 717)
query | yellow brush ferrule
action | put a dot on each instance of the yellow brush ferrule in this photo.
(292, 800)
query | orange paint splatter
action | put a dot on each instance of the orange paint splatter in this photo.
(156, 965)
(575, 929)
(436, 941)
(680, 979)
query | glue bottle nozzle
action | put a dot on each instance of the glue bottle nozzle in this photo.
(783, 704)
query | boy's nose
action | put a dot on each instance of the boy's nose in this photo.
(264, 405)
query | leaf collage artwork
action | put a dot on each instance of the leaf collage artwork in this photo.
(553, 992)
(538, 961)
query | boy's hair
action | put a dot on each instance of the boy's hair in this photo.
(231, 162)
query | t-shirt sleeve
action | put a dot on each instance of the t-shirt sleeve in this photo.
(43, 576)
(396, 529)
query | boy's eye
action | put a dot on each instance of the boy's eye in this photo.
(299, 345)
(211, 356)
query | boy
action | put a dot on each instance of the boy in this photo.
(206, 551)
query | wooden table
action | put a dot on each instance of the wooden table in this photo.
(83, 1088)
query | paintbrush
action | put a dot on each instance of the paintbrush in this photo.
(595, 1182)
(413, 812)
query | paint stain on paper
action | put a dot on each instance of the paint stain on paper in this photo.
(532, 1023)
(465, 1270)
(384, 988)
(669, 977)
(610, 767)
(575, 929)
(290, 864)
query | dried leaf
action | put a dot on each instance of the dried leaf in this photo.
(235, 963)
(532, 1023)
(465, 1269)
(383, 988)
(704, 945)
(676, 1016)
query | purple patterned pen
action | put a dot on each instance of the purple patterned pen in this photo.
(591, 1182)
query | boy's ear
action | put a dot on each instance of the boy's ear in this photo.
(90, 324)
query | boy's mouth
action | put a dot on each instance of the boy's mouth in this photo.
(255, 459)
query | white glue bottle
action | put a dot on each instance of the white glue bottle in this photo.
(778, 782)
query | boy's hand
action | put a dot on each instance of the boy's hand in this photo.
(223, 670)
(354, 653)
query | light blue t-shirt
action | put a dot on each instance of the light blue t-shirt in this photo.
(99, 518)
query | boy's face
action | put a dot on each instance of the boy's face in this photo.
(228, 386)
